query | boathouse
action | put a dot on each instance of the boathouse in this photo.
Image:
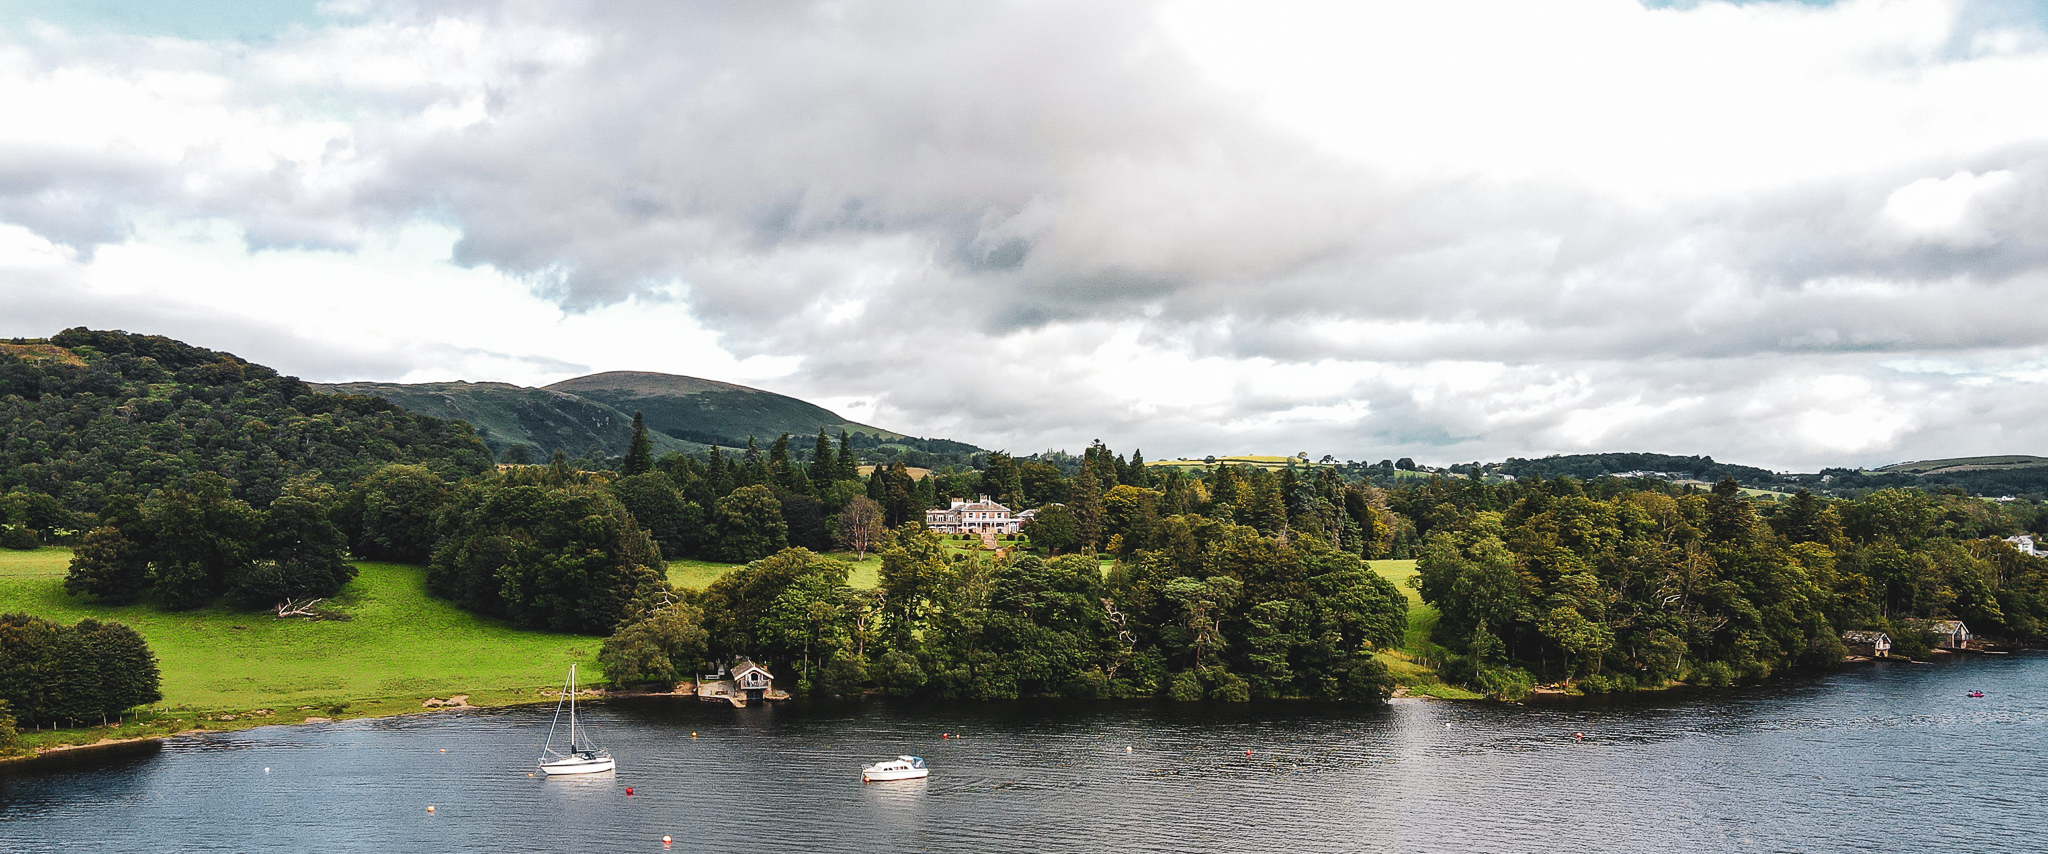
(1868, 644)
(1948, 634)
(752, 678)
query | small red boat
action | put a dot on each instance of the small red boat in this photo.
(1976, 693)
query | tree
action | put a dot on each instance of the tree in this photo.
(640, 452)
(824, 467)
(303, 553)
(749, 524)
(1055, 529)
(860, 525)
(666, 647)
(109, 567)
(568, 558)
(677, 525)
(393, 513)
(804, 518)
(203, 540)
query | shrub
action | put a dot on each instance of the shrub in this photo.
(1185, 687)
(18, 537)
(1712, 674)
(1505, 683)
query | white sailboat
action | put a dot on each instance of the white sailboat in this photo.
(584, 756)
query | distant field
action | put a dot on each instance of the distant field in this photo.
(915, 472)
(1253, 460)
(398, 642)
(2011, 461)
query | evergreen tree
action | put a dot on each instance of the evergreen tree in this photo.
(849, 463)
(1087, 507)
(640, 453)
(824, 467)
(1140, 476)
(781, 472)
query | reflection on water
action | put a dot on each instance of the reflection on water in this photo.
(1886, 757)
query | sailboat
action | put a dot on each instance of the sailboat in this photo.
(584, 756)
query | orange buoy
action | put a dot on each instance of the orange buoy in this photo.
(430, 808)
(1578, 736)
(693, 735)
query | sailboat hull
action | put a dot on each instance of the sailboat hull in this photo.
(566, 767)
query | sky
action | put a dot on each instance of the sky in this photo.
(1787, 234)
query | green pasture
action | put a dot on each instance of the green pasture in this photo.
(396, 647)
(1414, 664)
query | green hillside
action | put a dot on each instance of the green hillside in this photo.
(506, 415)
(1962, 464)
(709, 412)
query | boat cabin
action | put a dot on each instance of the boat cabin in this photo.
(752, 678)
(1868, 644)
(1948, 634)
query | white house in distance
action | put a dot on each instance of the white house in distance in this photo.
(974, 517)
(2025, 544)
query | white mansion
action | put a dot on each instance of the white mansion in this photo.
(974, 517)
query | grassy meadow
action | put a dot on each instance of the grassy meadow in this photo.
(1414, 664)
(397, 647)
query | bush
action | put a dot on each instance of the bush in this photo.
(1713, 674)
(1185, 687)
(19, 538)
(1505, 683)
(1228, 687)
(1602, 683)
(898, 673)
(1912, 644)
(9, 740)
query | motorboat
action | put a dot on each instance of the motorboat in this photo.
(583, 755)
(900, 768)
(1976, 694)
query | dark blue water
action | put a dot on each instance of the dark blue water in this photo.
(1872, 758)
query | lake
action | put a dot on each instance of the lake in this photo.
(1890, 757)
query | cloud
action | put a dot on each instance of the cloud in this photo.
(1448, 230)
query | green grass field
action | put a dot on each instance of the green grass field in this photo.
(1413, 664)
(399, 644)
(692, 574)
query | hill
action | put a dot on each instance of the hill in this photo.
(86, 414)
(1963, 464)
(593, 415)
(507, 415)
(1589, 466)
(710, 412)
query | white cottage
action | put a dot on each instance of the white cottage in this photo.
(752, 678)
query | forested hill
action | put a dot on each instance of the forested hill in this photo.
(592, 416)
(1589, 466)
(87, 414)
(707, 411)
(508, 416)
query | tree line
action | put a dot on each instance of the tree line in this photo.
(1617, 586)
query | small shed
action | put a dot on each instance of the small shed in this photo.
(752, 678)
(1948, 634)
(1868, 644)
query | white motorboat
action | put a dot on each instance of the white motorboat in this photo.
(583, 755)
(900, 768)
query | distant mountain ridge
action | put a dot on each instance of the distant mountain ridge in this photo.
(594, 414)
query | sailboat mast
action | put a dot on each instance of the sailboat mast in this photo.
(572, 708)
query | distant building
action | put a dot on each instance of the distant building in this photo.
(1948, 634)
(974, 517)
(1868, 644)
(2025, 543)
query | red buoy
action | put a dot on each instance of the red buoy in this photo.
(629, 791)
(1247, 753)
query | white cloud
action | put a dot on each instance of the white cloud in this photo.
(1450, 230)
